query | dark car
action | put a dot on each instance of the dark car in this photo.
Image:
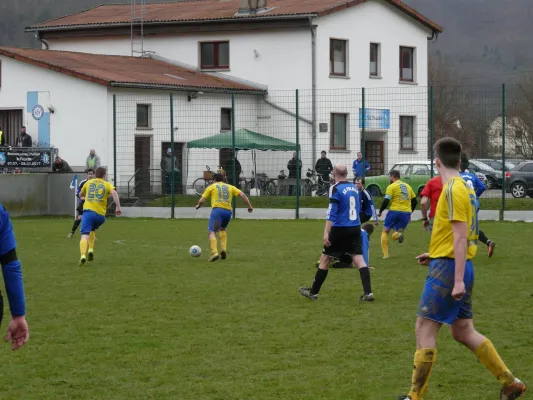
(494, 178)
(519, 181)
(497, 164)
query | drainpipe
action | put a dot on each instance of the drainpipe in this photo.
(313, 86)
(38, 37)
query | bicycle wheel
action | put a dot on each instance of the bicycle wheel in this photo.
(199, 186)
(270, 187)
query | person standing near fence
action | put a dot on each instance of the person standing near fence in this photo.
(359, 168)
(17, 331)
(24, 140)
(2, 138)
(323, 167)
(295, 171)
(169, 165)
(229, 171)
(93, 161)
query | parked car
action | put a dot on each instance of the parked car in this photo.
(415, 173)
(494, 178)
(519, 181)
(497, 164)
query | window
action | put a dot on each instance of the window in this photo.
(144, 116)
(374, 59)
(214, 55)
(420, 169)
(518, 134)
(407, 58)
(527, 168)
(402, 168)
(518, 150)
(338, 132)
(225, 119)
(337, 57)
(407, 129)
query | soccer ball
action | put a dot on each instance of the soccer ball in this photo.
(195, 251)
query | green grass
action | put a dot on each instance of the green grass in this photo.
(285, 202)
(146, 321)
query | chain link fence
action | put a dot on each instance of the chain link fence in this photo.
(271, 146)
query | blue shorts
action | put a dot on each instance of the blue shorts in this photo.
(397, 220)
(437, 302)
(219, 219)
(91, 221)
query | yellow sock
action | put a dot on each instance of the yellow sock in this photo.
(213, 245)
(223, 240)
(385, 243)
(92, 238)
(424, 360)
(489, 357)
(83, 247)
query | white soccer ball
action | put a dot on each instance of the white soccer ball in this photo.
(195, 251)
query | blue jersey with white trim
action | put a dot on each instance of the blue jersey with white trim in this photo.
(473, 182)
(344, 205)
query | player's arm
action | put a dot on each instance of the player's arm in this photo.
(205, 196)
(424, 207)
(243, 196)
(386, 200)
(480, 187)
(331, 216)
(116, 199)
(458, 204)
(83, 192)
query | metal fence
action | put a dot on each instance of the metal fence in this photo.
(167, 146)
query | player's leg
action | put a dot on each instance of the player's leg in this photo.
(320, 276)
(226, 218)
(364, 273)
(92, 238)
(75, 225)
(213, 226)
(489, 243)
(87, 225)
(401, 225)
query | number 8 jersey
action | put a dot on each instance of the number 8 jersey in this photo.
(344, 205)
(96, 191)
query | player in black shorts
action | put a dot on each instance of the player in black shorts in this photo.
(342, 235)
(79, 209)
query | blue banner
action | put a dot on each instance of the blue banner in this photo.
(375, 118)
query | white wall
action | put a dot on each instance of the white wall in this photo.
(284, 60)
(79, 122)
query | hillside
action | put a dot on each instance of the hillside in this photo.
(484, 40)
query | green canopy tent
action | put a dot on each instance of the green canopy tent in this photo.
(244, 140)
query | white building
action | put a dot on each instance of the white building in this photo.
(329, 50)
(518, 137)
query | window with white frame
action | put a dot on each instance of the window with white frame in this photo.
(374, 59)
(407, 64)
(144, 117)
(225, 119)
(407, 132)
(338, 57)
(338, 131)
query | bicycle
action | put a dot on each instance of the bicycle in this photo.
(265, 185)
(314, 183)
(200, 184)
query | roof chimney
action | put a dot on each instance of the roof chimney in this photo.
(251, 6)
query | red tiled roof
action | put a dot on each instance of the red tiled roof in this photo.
(122, 71)
(212, 10)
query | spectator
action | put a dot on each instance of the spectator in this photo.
(61, 166)
(323, 167)
(359, 169)
(93, 161)
(2, 138)
(295, 170)
(229, 171)
(24, 140)
(168, 165)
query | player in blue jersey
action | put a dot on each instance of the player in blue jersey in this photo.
(81, 201)
(342, 234)
(368, 209)
(475, 183)
(17, 331)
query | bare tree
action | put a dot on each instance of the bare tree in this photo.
(519, 121)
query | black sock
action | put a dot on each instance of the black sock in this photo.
(365, 280)
(320, 277)
(483, 238)
(75, 226)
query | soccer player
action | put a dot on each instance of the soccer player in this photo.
(221, 195)
(475, 183)
(95, 192)
(342, 234)
(368, 210)
(81, 200)
(447, 294)
(401, 201)
(430, 194)
(17, 331)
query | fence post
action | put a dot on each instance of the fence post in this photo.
(298, 177)
(431, 130)
(233, 147)
(363, 123)
(115, 141)
(504, 123)
(172, 184)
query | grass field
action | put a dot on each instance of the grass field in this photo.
(285, 202)
(146, 321)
